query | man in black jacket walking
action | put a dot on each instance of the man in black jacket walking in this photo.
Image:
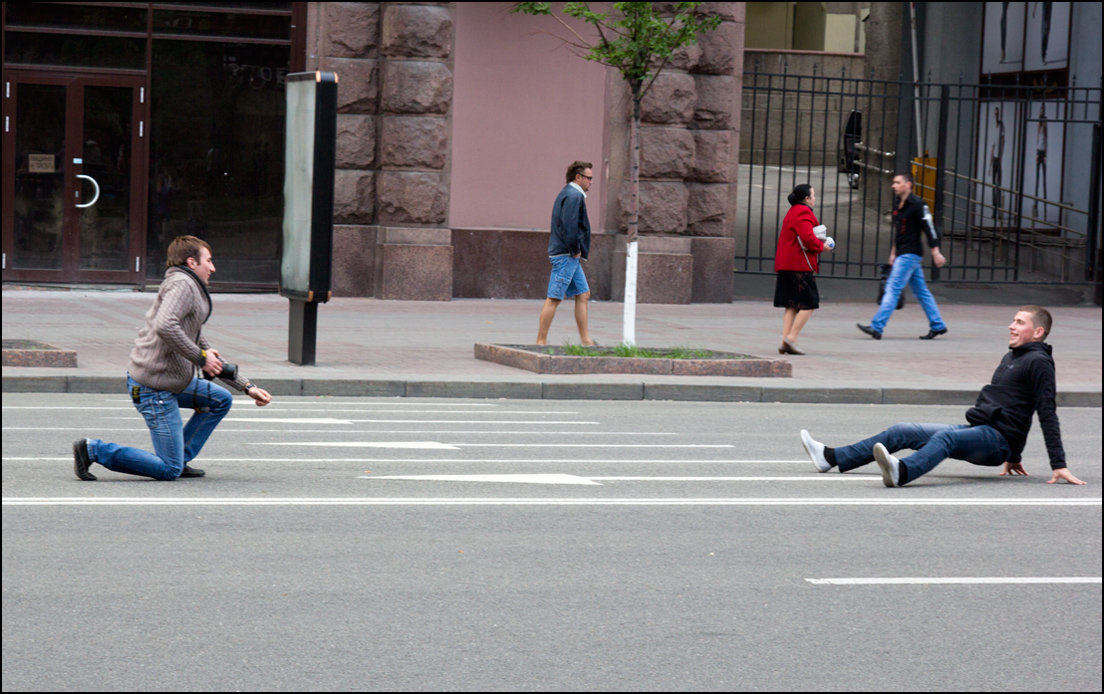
(911, 220)
(1022, 385)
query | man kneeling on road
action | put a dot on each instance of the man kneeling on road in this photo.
(1022, 385)
(161, 376)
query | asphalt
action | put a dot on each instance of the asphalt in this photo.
(372, 347)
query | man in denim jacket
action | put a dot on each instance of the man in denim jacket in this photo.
(568, 246)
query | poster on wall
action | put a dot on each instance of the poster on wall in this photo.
(997, 163)
(1002, 48)
(1046, 43)
(1042, 161)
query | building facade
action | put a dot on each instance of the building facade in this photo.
(456, 124)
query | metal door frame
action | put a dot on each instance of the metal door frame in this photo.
(75, 81)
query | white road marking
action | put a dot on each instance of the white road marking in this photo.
(356, 444)
(551, 478)
(951, 580)
(380, 431)
(560, 461)
(563, 478)
(492, 501)
(329, 420)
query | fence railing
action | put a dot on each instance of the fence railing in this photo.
(1011, 173)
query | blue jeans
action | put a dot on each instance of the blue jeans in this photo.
(173, 443)
(980, 445)
(567, 278)
(907, 269)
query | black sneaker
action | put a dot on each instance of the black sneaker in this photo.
(81, 461)
(192, 472)
(869, 331)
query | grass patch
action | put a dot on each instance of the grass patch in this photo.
(623, 350)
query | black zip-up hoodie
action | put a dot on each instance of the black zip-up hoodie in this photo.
(1022, 385)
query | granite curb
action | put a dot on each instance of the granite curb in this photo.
(563, 390)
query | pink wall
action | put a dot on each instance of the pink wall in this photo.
(524, 108)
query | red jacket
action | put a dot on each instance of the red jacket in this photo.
(798, 247)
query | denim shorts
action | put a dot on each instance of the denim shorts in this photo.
(567, 278)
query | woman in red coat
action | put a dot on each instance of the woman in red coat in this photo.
(797, 261)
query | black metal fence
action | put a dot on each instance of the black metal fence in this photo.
(1012, 174)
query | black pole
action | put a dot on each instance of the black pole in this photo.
(1092, 261)
(940, 165)
(302, 331)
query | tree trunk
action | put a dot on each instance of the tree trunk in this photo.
(629, 328)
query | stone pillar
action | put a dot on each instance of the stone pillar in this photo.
(391, 190)
(689, 157)
(344, 38)
(415, 243)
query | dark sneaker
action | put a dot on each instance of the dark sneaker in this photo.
(192, 472)
(81, 461)
(869, 331)
(891, 467)
(932, 334)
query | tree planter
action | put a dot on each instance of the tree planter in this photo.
(32, 353)
(551, 360)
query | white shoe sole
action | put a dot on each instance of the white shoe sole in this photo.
(887, 463)
(807, 442)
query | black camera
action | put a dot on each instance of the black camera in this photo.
(229, 372)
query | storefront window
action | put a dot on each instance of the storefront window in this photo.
(216, 155)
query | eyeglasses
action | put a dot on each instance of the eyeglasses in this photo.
(589, 178)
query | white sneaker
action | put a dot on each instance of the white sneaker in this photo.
(891, 467)
(815, 449)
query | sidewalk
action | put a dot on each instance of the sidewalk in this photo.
(422, 349)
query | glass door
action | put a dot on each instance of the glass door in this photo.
(74, 203)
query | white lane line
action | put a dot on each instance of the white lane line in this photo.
(354, 444)
(811, 477)
(297, 404)
(491, 501)
(971, 580)
(558, 461)
(381, 431)
(550, 478)
(328, 420)
(597, 445)
(563, 478)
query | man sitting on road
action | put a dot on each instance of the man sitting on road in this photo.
(999, 421)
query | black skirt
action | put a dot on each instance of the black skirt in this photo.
(796, 290)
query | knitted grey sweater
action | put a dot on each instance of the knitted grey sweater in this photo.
(169, 347)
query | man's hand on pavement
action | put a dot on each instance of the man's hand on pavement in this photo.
(1013, 469)
(1064, 474)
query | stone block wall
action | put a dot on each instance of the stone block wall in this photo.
(688, 148)
(392, 187)
(391, 190)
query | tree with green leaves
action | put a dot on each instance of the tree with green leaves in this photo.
(637, 41)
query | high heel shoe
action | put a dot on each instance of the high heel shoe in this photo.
(789, 348)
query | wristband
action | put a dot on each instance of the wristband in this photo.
(202, 357)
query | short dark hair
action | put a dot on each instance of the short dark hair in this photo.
(800, 192)
(905, 175)
(1040, 317)
(184, 247)
(577, 168)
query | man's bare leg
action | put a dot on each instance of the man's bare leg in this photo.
(548, 312)
(581, 318)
